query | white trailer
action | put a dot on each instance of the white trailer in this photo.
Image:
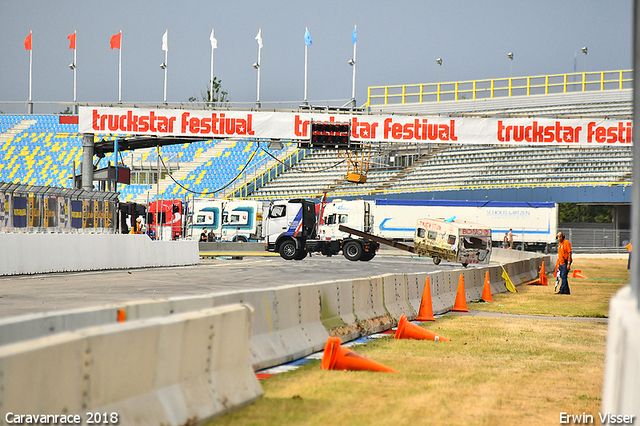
(534, 225)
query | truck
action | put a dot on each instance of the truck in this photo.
(452, 240)
(166, 219)
(290, 228)
(230, 220)
(534, 225)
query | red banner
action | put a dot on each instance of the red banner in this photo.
(364, 128)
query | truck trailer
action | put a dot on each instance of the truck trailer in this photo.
(534, 225)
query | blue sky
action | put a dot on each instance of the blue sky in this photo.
(398, 43)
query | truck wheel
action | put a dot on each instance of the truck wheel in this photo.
(464, 265)
(436, 260)
(288, 250)
(300, 254)
(352, 250)
(367, 256)
(239, 239)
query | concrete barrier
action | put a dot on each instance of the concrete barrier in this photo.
(336, 309)
(43, 253)
(396, 296)
(621, 392)
(368, 305)
(171, 370)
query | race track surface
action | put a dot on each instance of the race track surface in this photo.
(51, 292)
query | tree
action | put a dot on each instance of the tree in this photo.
(218, 95)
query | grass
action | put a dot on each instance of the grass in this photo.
(506, 371)
(589, 297)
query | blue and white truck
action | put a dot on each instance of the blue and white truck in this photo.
(230, 220)
(290, 228)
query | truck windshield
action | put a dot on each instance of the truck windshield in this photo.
(277, 211)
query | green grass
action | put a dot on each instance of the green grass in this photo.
(495, 371)
(589, 297)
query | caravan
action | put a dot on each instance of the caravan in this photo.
(454, 241)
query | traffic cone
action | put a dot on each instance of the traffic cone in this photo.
(542, 279)
(486, 289)
(578, 274)
(460, 304)
(122, 317)
(336, 357)
(426, 305)
(407, 330)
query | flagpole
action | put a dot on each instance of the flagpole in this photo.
(211, 79)
(120, 71)
(165, 76)
(75, 98)
(257, 64)
(30, 74)
(258, 99)
(305, 73)
(353, 90)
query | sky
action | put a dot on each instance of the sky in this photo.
(398, 43)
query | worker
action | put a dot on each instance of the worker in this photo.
(565, 259)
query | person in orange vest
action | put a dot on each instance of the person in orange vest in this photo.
(565, 260)
(629, 247)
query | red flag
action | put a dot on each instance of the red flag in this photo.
(72, 41)
(115, 41)
(27, 42)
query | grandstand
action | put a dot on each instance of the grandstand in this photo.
(37, 150)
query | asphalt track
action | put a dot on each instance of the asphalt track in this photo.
(50, 292)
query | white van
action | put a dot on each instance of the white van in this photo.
(454, 241)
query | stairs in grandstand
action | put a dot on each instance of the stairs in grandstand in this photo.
(13, 131)
(183, 171)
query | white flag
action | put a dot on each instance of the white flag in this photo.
(214, 42)
(259, 38)
(165, 44)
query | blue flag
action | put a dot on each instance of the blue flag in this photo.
(307, 37)
(354, 38)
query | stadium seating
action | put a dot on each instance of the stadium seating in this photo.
(37, 150)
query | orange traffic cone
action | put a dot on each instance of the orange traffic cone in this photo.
(336, 357)
(486, 289)
(426, 305)
(542, 279)
(121, 315)
(460, 304)
(407, 330)
(578, 274)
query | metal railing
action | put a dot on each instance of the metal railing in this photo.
(597, 240)
(46, 209)
(500, 87)
(270, 174)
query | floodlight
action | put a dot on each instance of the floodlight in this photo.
(352, 62)
(163, 65)
(72, 66)
(439, 61)
(584, 50)
(510, 55)
(256, 65)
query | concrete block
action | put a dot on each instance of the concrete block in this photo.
(168, 370)
(396, 296)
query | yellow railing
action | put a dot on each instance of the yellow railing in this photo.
(339, 194)
(500, 87)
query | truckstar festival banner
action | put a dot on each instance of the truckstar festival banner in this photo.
(364, 128)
